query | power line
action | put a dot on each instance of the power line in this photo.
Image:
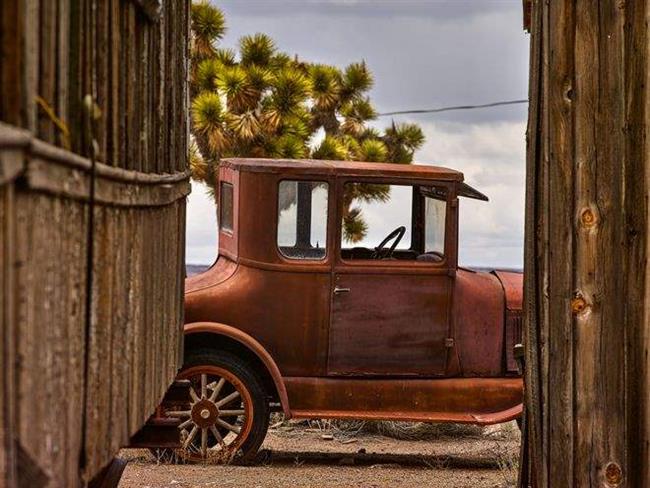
(457, 107)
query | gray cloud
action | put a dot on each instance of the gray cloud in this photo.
(441, 9)
(423, 54)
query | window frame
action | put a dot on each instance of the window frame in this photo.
(307, 179)
(424, 218)
(417, 219)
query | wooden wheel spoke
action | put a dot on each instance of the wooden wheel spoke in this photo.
(231, 413)
(227, 399)
(195, 397)
(179, 413)
(204, 386)
(217, 389)
(204, 442)
(218, 436)
(190, 437)
(185, 424)
(226, 425)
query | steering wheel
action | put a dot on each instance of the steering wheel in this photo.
(397, 235)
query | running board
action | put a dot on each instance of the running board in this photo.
(480, 401)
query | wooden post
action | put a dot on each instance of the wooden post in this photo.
(587, 306)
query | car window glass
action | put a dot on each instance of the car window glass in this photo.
(435, 213)
(302, 219)
(225, 207)
(370, 213)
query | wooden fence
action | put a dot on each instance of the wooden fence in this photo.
(93, 179)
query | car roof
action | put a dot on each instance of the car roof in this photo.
(354, 169)
(343, 168)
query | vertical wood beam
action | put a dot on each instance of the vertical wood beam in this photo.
(586, 300)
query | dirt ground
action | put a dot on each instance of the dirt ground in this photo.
(295, 456)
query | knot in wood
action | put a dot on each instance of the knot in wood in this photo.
(578, 304)
(568, 94)
(588, 217)
(613, 474)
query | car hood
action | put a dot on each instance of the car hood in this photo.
(513, 287)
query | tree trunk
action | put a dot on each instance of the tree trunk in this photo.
(586, 304)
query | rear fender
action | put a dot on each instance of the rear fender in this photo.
(251, 344)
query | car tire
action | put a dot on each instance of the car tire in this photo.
(227, 416)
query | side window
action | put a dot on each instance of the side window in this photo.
(225, 207)
(373, 213)
(435, 214)
(302, 219)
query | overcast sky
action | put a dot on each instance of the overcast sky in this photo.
(423, 54)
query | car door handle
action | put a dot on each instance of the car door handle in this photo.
(338, 290)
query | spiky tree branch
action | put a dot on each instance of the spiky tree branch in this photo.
(260, 102)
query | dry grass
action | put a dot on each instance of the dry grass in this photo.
(508, 464)
(398, 430)
(424, 431)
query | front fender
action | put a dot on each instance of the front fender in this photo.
(254, 346)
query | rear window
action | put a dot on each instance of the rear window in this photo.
(302, 219)
(225, 207)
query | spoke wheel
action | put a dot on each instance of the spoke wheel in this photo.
(218, 418)
(225, 417)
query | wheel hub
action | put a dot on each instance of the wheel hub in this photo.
(204, 413)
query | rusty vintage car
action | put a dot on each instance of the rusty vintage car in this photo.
(295, 316)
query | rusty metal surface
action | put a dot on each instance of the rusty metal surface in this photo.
(308, 167)
(222, 269)
(287, 312)
(478, 314)
(252, 344)
(473, 400)
(401, 319)
(513, 287)
(162, 431)
(157, 433)
(393, 325)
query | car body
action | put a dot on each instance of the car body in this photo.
(352, 332)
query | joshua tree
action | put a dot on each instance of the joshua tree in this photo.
(260, 102)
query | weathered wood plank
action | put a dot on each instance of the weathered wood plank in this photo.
(104, 378)
(586, 257)
(62, 72)
(150, 8)
(637, 155)
(30, 67)
(102, 88)
(560, 255)
(46, 81)
(8, 455)
(12, 89)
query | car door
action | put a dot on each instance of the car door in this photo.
(390, 317)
